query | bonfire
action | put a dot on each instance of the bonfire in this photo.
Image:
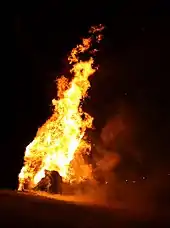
(60, 144)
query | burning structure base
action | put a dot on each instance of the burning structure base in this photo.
(51, 183)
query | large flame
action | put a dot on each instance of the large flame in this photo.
(59, 144)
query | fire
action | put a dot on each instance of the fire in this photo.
(60, 143)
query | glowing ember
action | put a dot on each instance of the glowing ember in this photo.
(60, 144)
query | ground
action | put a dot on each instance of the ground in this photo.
(32, 209)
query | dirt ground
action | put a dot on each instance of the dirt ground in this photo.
(41, 210)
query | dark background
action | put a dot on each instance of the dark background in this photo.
(134, 72)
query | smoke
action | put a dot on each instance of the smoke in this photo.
(112, 128)
(105, 159)
(121, 180)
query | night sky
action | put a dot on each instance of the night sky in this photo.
(133, 75)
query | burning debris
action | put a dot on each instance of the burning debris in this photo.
(52, 183)
(56, 153)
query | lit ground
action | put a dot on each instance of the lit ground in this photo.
(30, 209)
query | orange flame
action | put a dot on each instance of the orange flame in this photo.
(59, 143)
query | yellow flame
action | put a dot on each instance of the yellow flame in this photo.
(59, 143)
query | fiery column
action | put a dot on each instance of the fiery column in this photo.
(60, 140)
